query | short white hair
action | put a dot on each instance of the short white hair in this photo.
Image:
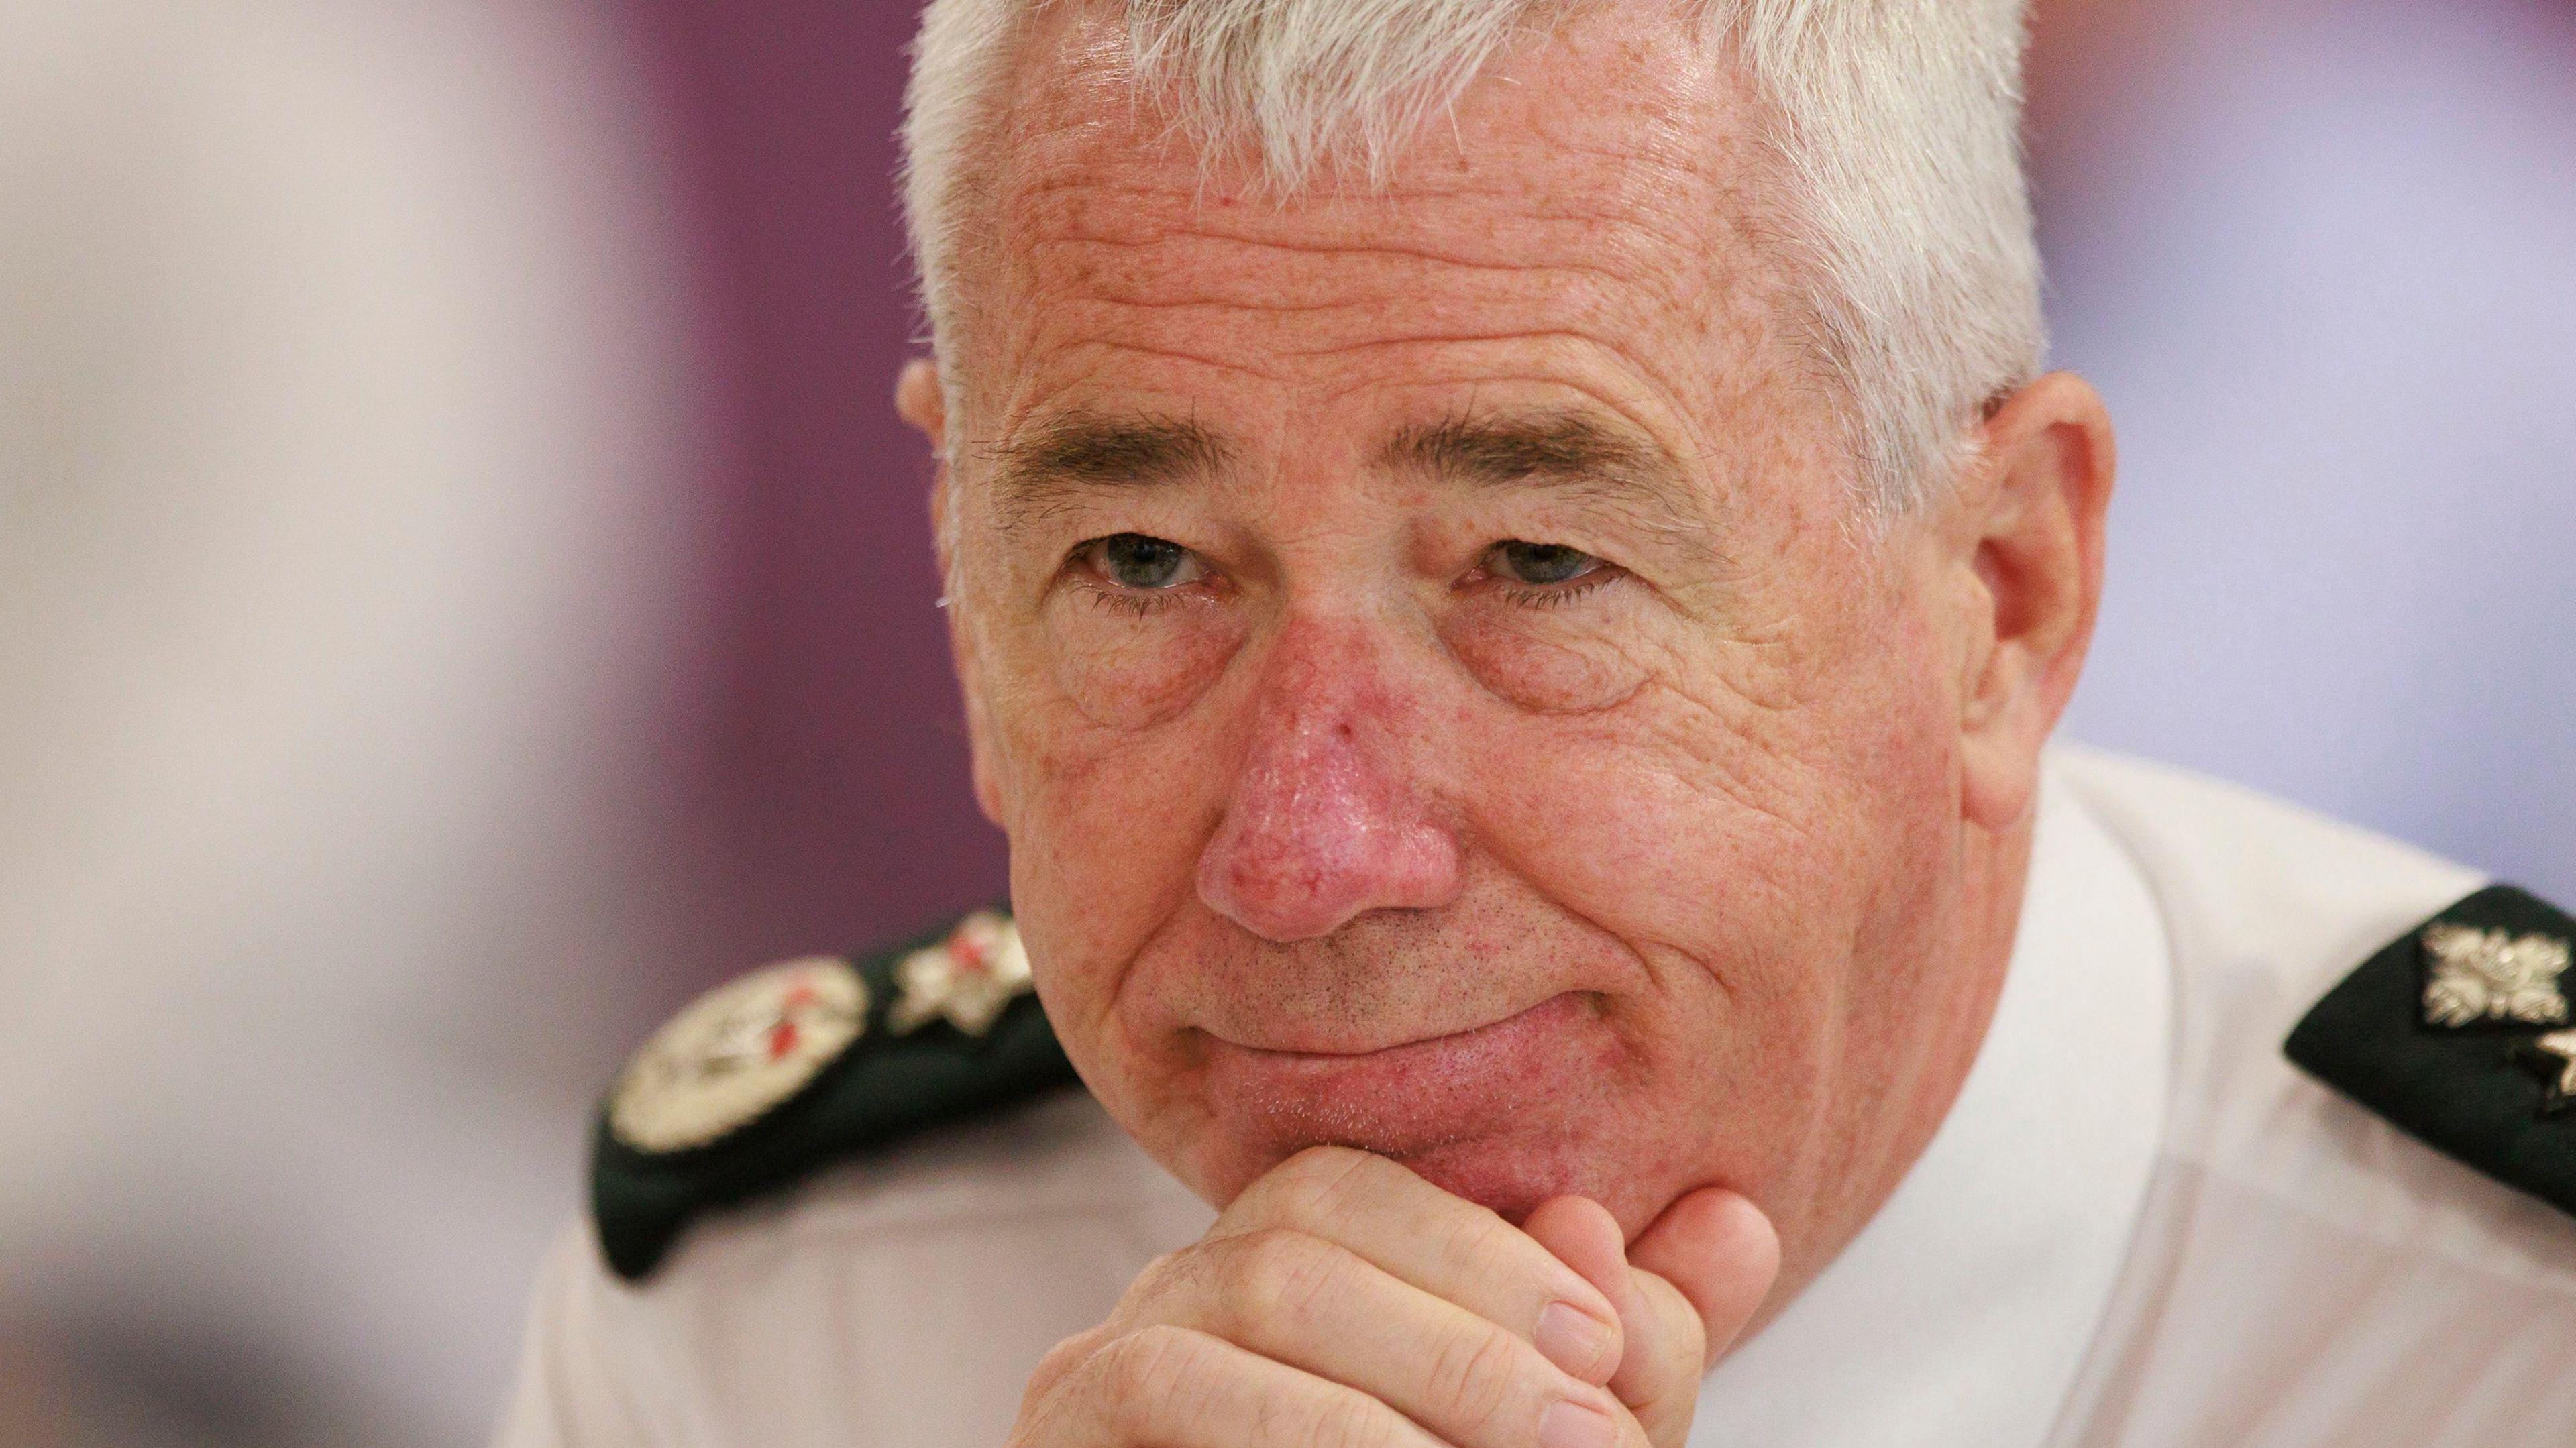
(1899, 122)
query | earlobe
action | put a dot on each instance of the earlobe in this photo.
(920, 400)
(2038, 555)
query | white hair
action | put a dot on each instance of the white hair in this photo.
(1897, 120)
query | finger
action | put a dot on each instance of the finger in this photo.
(1173, 1388)
(1445, 1245)
(1660, 1380)
(1721, 1252)
(1311, 1304)
(1703, 1267)
(1659, 1345)
(1582, 1234)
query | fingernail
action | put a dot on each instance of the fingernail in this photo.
(1574, 1340)
(1569, 1424)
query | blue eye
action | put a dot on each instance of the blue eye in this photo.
(1539, 565)
(1149, 565)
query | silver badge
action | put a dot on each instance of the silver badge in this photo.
(2493, 975)
(969, 978)
(737, 1053)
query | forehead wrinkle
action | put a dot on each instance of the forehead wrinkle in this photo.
(1456, 337)
(1599, 267)
(1017, 417)
(1092, 204)
(1452, 300)
(1079, 125)
(1099, 199)
(1323, 249)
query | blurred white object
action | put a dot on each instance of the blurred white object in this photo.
(345, 556)
(2321, 258)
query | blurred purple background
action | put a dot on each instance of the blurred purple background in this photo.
(836, 780)
(463, 587)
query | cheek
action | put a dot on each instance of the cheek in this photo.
(1105, 839)
(1113, 782)
(1123, 671)
(1670, 831)
(1739, 810)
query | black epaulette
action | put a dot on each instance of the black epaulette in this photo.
(767, 1080)
(2460, 1033)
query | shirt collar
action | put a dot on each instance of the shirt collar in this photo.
(1960, 1314)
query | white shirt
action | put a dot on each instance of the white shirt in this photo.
(2138, 1226)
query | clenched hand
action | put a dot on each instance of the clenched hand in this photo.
(1344, 1301)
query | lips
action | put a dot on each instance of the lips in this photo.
(1414, 1097)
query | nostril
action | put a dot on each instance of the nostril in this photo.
(1301, 864)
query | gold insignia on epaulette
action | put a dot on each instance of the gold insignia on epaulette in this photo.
(738, 1052)
(2493, 975)
(969, 978)
(2557, 1052)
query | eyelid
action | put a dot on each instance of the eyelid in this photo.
(1594, 563)
(1604, 575)
(1082, 572)
(1088, 550)
(1529, 595)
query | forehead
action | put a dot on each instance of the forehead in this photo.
(1587, 218)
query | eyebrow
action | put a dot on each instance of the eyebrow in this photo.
(1570, 449)
(1083, 451)
(1091, 450)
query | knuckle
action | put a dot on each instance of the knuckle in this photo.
(1146, 1366)
(1477, 1245)
(1471, 1376)
(1161, 1278)
(1055, 1390)
(1478, 1240)
(1060, 1360)
(1276, 1274)
(1350, 1420)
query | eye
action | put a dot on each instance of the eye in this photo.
(1148, 565)
(1540, 565)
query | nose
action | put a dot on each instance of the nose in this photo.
(1326, 821)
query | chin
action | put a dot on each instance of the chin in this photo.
(1512, 1170)
(1514, 1178)
(1507, 1114)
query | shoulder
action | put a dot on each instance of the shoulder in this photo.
(794, 1068)
(2284, 896)
(2304, 1241)
(898, 1294)
(841, 1200)
(2271, 911)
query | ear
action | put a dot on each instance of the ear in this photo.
(2034, 530)
(920, 400)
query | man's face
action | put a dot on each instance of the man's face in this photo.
(1418, 644)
